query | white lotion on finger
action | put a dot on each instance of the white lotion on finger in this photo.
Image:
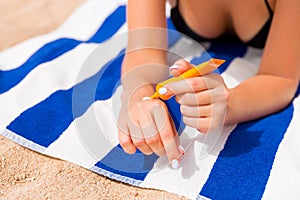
(162, 90)
(174, 67)
(146, 98)
(175, 164)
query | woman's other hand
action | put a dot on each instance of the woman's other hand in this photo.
(147, 126)
(202, 99)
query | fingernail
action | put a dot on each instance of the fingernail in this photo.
(174, 70)
(146, 98)
(162, 90)
(181, 149)
(174, 67)
(175, 164)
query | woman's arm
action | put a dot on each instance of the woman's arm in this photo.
(204, 100)
(146, 125)
(147, 37)
(278, 77)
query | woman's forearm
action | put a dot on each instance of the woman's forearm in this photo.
(146, 53)
(142, 67)
(259, 96)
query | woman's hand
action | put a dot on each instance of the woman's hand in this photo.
(147, 126)
(202, 99)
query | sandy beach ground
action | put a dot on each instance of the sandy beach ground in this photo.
(25, 174)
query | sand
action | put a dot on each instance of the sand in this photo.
(25, 174)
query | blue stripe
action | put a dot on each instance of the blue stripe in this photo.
(243, 166)
(110, 26)
(173, 34)
(46, 121)
(298, 90)
(54, 49)
(56, 112)
(135, 166)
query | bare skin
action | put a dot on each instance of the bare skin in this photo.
(269, 91)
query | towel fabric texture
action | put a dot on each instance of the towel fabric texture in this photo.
(60, 95)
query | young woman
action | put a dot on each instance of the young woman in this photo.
(269, 24)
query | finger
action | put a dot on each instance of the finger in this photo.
(167, 135)
(202, 124)
(153, 140)
(196, 111)
(150, 133)
(180, 148)
(195, 84)
(195, 99)
(148, 127)
(138, 138)
(126, 142)
(141, 144)
(180, 67)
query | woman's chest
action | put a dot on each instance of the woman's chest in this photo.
(212, 18)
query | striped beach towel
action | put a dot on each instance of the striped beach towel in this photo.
(60, 96)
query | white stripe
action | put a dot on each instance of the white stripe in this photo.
(61, 73)
(68, 147)
(253, 55)
(91, 136)
(81, 25)
(194, 171)
(168, 9)
(241, 69)
(284, 180)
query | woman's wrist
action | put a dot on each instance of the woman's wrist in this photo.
(133, 96)
(143, 67)
(136, 58)
(230, 115)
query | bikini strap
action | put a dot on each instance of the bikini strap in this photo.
(269, 7)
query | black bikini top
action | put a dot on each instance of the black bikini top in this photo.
(258, 41)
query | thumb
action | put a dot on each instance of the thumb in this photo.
(180, 67)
